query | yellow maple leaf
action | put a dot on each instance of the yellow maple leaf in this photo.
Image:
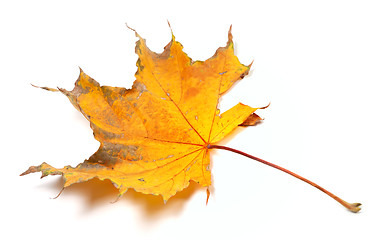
(157, 136)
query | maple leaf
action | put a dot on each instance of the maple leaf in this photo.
(157, 136)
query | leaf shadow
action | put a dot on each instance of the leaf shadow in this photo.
(97, 193)
(153, 206)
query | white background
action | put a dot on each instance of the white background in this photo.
(310, 62)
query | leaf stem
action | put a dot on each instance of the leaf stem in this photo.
(354, 207)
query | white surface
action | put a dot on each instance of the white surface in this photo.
(310, 62)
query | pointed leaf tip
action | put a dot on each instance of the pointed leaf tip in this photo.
(172, 33)
(136, 34)
(250, 65)
(230, 36)
(31, 169)
(265, 106)
(46, 88)
(208, 195)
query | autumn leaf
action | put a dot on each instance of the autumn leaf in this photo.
(157, 136)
